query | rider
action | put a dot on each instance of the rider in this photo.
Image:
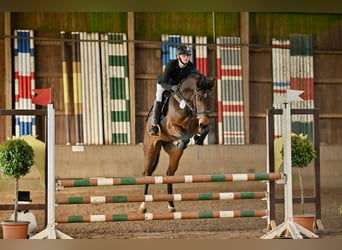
(175, 71)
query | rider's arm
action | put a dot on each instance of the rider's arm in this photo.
(165, 79)
(166, 75)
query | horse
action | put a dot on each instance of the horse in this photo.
(184, 115)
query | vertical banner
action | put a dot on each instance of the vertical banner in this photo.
(24, 81)
(230, 93)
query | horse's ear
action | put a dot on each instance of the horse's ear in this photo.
(212, 82)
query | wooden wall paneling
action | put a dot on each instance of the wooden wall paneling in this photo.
(244, 36)
(8, 73)
(327, 66)
(328, 98)
(131, 73)
(258, 130)
(145, 88)
(145, 58)
(212, 73)
(2, 79)
(261, 95)
(330, 131)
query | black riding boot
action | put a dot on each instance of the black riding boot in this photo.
(155, 118)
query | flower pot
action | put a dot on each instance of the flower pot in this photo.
(14, 230)
(306, 220)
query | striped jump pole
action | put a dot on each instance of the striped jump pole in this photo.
(219, 93)
(161, 216)
(24, 81)
(103, 181)
(302, 78)
(91, 88)
(230, 96)
(281, 76)
(201, 54)
(77, 87)
(119, 112)
(107, 128)
(161, 197)
(66, 87)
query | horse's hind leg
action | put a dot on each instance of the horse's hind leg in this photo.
(151, 154)
(142, 207)
(174, 156)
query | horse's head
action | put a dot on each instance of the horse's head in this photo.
(202, 101)
(200, 89)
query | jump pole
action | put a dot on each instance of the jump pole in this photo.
(288, 228)
(50, 232)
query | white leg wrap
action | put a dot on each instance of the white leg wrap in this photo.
(142, 207)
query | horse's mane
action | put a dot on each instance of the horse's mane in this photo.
(205, 84)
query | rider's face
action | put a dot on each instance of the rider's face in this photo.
(185, 58)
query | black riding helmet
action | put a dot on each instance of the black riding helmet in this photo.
(183, 49)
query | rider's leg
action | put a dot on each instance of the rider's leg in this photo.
(156, 110)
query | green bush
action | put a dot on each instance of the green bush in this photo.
(16, 158)
(302, 151)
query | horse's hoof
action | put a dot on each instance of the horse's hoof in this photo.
(172, 209)
(181, 145)
(198, 140)
(142, 210)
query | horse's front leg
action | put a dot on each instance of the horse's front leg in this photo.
(151, 155)
(199, 139)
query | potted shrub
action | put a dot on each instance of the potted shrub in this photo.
(302, 153)
(16, 159)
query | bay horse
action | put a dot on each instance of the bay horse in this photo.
(184, 115)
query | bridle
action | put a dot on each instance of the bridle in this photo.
(192, 107)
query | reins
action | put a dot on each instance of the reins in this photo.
(183, 102)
